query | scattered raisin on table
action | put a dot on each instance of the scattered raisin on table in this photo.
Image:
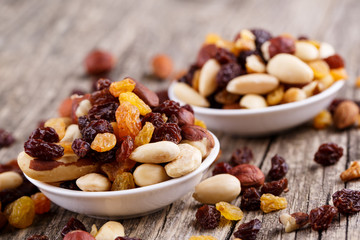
(347, 201)
(47, 134)
(9, 195)
(38, 237)
(71, 185)
(241, 156)
(42, 150)
(222, 167)
(321, 217)
(275, 187)
(279, 168)
(21, 212)
(249, 230)
(270, 203)
(229, 211)
(80, 147)
(41, 202)
(250, 200)
(6, 138)
(208, 217)
(328, 154)
(71, 225)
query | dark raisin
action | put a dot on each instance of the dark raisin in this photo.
(163, 95)
(167, 132)
(103, 83)
(335, 61)
(102, 97)
(208, 217)
(261, 36)
(42, 150)
(104, 157)
(83, 121)
(275, 187)
(188, 77)
(168, 107)
(80, 147)
(328, 154)
(46, 134)
(99, 61)
(279, 168)
(223, 56)
(38, 237)
(222, 167)
(95, 127)
(6, 138)
(347, 201)
(321, 217)
(154, 118)
(241, 156)
(127, 238)
(281, 45)
(71, 185)
(126, 148)
(242, 57)
(173, 119)
(104, 111)
(72, 225)
(250, 200)
(249, 230)
(226, 73)
(206, 52)
(9, 195)
(334, 104)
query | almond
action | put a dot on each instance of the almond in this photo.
(345, 114)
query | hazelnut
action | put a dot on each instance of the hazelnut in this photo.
(162, 66)
(294, 221)
(249, 175)
(198, 137)
(185, 117)
(98, 62)
(345, 114)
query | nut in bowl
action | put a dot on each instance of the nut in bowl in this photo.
(259, 84)
(119, 153)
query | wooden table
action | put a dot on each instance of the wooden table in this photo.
(43, 44)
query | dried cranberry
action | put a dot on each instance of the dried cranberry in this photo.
(347, 201)
(321, 217)
(72, 225)
(168, 107)
(206, 52)
(38, 237)
(6, 138)
(241, 156)
(279, 168)
(226, 73)
(188, 77)
(46, 134)
(71, 185)
(222, 167)
(281, 45)
(94, 127)
(167, 132)
(328, 154)
(99, 61)
(42, 150)
(154, 118)
(333, 105)
(9, 195)
(127, 238)
(261, 36)
(223, 56)
(102, 97)
(249, 230)
(103, 83)
(208, 217)
(104, 111)
(80, 147)
(335, 61)
(250, 200)
(275, 187)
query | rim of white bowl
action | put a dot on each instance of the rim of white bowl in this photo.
(335, 87)
(62, 191)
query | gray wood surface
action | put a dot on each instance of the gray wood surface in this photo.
(43, 44)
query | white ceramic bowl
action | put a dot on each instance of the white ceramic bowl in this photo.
(128, 203)
(265, 121)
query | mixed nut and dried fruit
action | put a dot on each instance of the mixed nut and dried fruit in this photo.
(116, 138)
(258, 70)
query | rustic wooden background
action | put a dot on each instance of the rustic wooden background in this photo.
(43, 44)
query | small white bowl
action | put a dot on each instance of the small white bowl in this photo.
(264, 121)
(128, 203)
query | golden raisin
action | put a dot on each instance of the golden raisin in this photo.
(320, 68)
(41, 202)
(59, 124)
(103, 142)
(123, 181)
(270, 203)
(67, 147)
(126, 85)
(322, 120)
(145, 134)
(200, 123)
(136, 101)
(357, 82)
(202, 238)
(275, 97)
(21, 212)
(229, 211)
(212, 38)
(339, 74)
(128, 120)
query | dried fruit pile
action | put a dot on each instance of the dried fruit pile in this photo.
(114, 139)
(257, 70)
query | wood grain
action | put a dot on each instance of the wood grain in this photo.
(43, 44)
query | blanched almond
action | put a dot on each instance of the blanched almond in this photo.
(253, 101)
(207, 79)
(326, 50)
(306, 51)
(254, 64)
(256, 83)
(294, 95)
(188, 95)
(147, 174)
(158, 152)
